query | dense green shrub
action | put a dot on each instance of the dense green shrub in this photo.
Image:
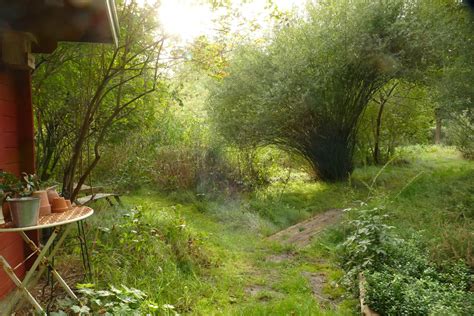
(401, 280)
(365, 247)
(127, 164)
(196, 168)
(409, 284)
(461, 134)
(396, 293)
(217, 169)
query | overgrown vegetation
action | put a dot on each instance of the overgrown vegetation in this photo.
(461, 134)
(88, 96)
(342, 58)
(225, 141)
(205, 255)
(113, 301)
(401, 280)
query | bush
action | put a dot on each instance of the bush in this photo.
(199, 168)
(401, 280)
(396, 293)
(365, 247)
(113, 301)
(160, 249)
(128, 164)
(207, 169)
(461, 134)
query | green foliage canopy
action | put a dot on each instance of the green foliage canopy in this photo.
(87, 96)
(405, 117)
(306, 91)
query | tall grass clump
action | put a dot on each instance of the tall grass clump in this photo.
(152, 250)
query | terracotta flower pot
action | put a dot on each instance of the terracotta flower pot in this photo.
(45, 207)
(59, 205)
(69, 205)
(52, 194)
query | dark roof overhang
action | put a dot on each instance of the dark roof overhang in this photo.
(53, 21)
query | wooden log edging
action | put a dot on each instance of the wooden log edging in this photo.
(365, 310)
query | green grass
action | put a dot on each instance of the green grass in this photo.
(431, 193)
(241, 263)
(230, 271)
(211, 257)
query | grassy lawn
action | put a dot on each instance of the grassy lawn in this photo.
(212, 257)
(207, 264)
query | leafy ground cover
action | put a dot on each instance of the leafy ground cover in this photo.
(191, 255)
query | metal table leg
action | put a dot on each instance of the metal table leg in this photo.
(84, 250)
(9, 271)
(42, 261)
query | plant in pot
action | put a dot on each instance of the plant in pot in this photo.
(8, 183)
(24, 208)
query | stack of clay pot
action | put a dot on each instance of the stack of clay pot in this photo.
(58, 204)
(45, 206)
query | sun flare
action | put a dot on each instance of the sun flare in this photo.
(185, 19)
(188, 19)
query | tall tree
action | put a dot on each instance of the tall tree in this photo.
(398, 114)
(99, 92)
(452, 88)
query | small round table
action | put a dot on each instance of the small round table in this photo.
(59, 222)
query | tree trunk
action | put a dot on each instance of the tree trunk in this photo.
(438, 130)
(376, 154)
(331, 156)
(384, 97)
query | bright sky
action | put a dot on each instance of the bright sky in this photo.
(187, 19)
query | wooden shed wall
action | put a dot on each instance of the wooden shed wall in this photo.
(16, 154)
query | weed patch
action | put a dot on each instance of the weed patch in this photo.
(401, 280)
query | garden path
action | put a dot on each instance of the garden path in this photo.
(302, 233)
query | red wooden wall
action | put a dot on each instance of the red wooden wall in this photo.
(16, 153)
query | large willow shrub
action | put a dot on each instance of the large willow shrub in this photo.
(306, 90)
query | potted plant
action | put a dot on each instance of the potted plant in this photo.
(8, 183)
(24, 208)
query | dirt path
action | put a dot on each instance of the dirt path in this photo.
(302, 233)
